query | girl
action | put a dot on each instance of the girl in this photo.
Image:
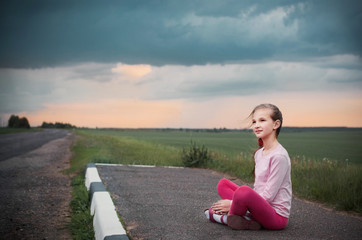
(268, 204)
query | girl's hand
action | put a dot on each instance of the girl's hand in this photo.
(221, 206)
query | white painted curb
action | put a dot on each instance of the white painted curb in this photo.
(91, 175)
(105, 222)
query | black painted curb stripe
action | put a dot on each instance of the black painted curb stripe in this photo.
(117, 237)
(95, 187)
(91, 165)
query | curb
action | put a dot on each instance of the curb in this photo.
(105, 222)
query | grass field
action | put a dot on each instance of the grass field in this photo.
(333, 145)
(326, 165)
(18, 130)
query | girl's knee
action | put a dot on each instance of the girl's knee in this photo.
(222, 184)
(243, 192)
(226, 188)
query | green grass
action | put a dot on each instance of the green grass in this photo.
(223, 142)
(335, 183)
(320, 171)
(81, 221)
(102, 148)
(334, 145)
(18, 130)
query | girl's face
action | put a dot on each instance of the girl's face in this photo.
(262, 123)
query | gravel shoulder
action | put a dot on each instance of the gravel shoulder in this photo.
(34, 193)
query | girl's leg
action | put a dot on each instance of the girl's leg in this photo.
(246, 198)
(226, 189)
(213, 217)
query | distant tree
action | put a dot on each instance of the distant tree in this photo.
(16, 122)
(24, 123)
(57, 125)
(13, 120)
(47, 125)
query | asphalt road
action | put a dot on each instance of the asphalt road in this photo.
(168, 203)
(12, 145)
(34, 193)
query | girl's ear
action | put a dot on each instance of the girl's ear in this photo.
(276, 124)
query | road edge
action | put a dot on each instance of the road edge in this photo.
(106, 223)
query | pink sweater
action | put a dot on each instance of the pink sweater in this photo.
(272, 179)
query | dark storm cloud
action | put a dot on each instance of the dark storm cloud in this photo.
(48, 33)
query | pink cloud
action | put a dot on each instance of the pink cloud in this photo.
(132, 71)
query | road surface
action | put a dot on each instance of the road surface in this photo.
(168, 203)
(34, 193)
(12, 145)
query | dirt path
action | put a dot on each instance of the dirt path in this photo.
(35, 194)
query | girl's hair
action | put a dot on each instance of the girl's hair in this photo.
(276, 113)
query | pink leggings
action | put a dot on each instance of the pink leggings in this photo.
(244, 198)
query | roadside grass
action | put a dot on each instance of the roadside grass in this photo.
(240, 166)
(81, 221)
(98, 148)
(18, 130)
(334, 182)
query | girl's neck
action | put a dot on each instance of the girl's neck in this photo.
(270, 143)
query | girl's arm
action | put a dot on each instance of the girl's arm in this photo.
(279, 166)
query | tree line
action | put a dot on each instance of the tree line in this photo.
(17, 122)
(57, 125)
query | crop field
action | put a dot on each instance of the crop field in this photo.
(326, 164)
(342, 146)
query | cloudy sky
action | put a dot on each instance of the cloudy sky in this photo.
(180, 63)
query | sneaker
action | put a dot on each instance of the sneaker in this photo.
(210, 215)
